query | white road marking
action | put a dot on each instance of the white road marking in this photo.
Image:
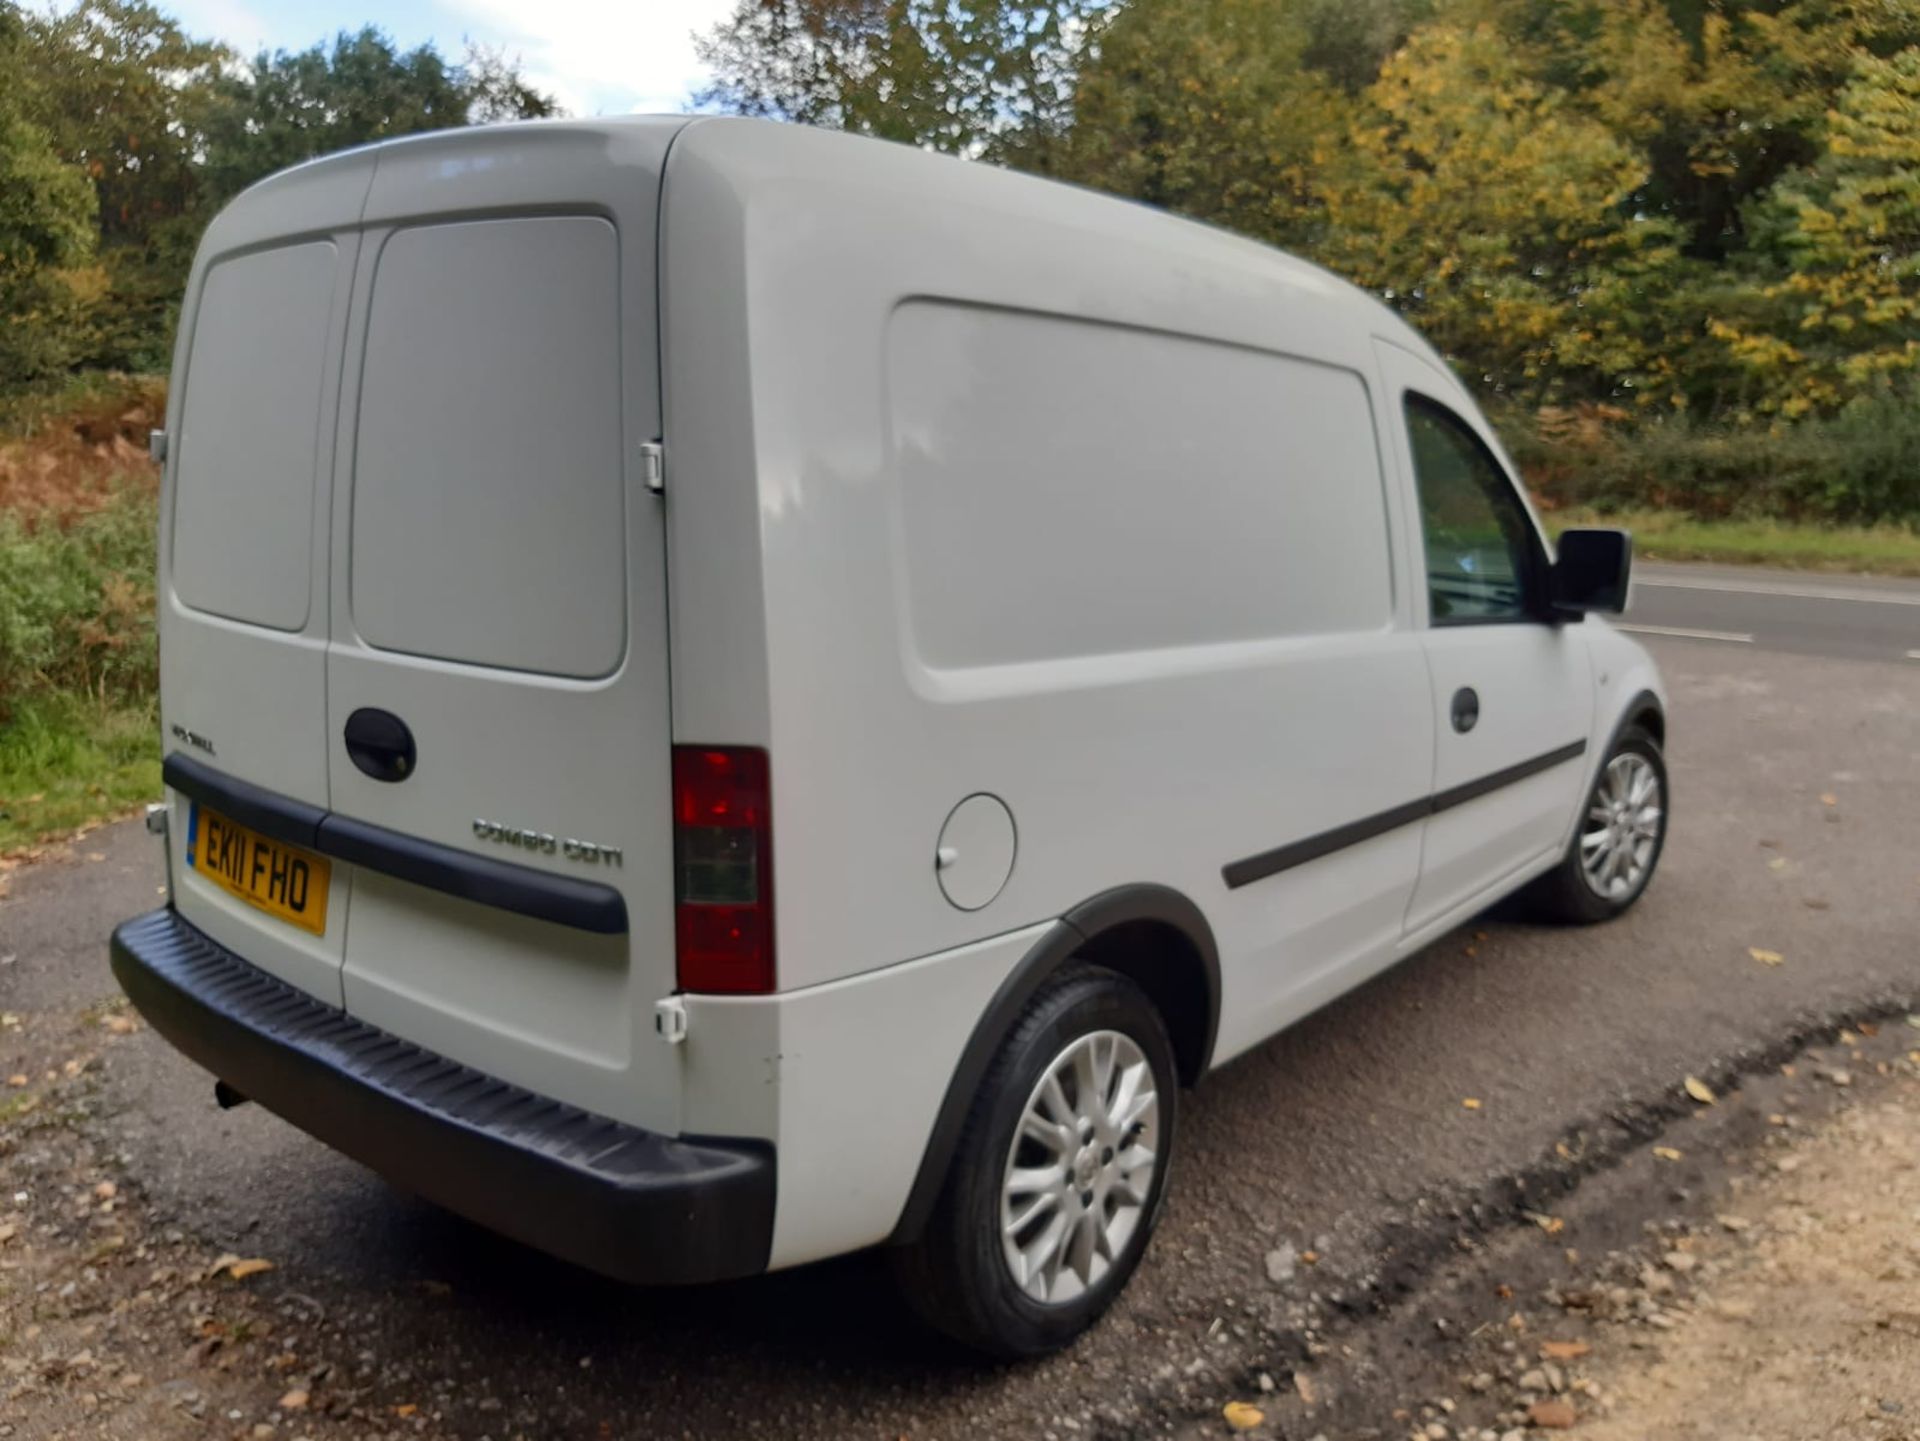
(1732, 637)
(1801, 592)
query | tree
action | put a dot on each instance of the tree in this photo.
(1206, 107)
(292, 106)
(1847, 232)
(47, 218)
(118, 88)
(971, 77)
(117, 85)
(1478, 201)
(1723, 97)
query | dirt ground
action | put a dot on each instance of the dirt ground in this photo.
(113, 1326)
(1807, 1320)
(1748, 1269)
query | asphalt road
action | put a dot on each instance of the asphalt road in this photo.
(1854, 616)
(1347, 1134)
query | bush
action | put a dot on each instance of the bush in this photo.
(76, 604)
(1860, 467)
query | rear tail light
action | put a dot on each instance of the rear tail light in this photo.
(723, 870)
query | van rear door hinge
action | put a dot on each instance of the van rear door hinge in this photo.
(670, 1020)
(653, 466)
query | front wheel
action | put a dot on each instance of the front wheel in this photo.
(1057, 1180)
(1622, 830)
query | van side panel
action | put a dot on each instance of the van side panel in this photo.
(961, 593)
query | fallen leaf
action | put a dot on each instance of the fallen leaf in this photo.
(1868, 1028)
(16, 1080)
(106, 1191)
(294, 1401)
(1240, 1416)
(1553, 1415)
(238, 1267)
(121, 1025)
(407, 1409)
(1310, 1258)
(1552, 1225)
(1778, 863)
(1764, 957)
(1503, 1291)
(1303, 1387)
(1828, 798)
(1564, 1350)
(1471, 1103)
(1914, 1021)
(1700, 1091)
(7, 1233)
(1667, 1153)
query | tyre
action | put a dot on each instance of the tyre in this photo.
(1622, 829)
(1057, 1180)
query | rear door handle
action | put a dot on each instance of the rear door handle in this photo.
(1466, 709)
(379, 743)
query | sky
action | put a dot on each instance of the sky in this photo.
(596, 57)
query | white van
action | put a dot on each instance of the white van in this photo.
(733, 693)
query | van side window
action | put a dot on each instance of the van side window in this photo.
(1479, 542)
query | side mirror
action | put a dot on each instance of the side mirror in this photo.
(1591, 570)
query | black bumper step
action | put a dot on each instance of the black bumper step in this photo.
(609, 1196)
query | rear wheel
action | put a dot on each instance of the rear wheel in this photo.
(1622, 830)
(1057, 1180)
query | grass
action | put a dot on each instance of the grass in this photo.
(67, 762)
(1665, 535)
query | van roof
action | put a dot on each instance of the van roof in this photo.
(809, 154)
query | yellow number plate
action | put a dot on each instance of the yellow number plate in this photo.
(284, 881)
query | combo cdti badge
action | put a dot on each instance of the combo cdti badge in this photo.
(734, 693)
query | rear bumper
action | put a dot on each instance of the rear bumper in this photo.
(623, 1201)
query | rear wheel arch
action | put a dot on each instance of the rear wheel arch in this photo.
(1159, 940)
(1153, 935)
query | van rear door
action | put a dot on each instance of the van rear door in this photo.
(499, 734)
(243, 597)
